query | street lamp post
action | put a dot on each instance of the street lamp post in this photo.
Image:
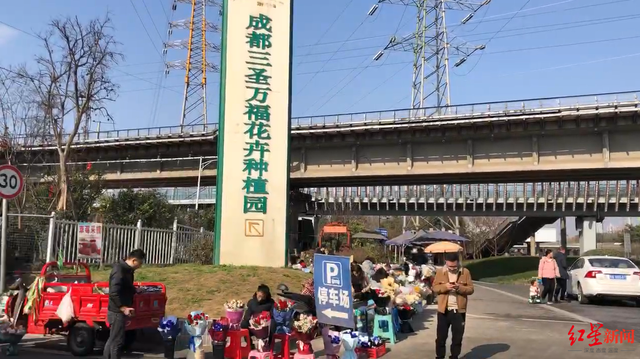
(201, 167)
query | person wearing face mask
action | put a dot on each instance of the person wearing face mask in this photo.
(453, 285)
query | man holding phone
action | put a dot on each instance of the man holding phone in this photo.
(452, 284)
(121, 292)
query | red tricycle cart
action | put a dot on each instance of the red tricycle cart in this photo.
(90, 301)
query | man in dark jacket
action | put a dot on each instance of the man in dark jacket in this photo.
(561, 287)
(121, 292)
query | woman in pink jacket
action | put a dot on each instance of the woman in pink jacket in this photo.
(548, 271)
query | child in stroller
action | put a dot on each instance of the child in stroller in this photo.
(534, 292)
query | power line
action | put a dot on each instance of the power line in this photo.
(485, 20)
(382, 83)
(362, 69)
(572, 65)
(334, 53)
(497, 32)
(332, 24)
(145, 28)
(151, 18)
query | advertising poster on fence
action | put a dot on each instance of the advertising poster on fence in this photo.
(89, 240)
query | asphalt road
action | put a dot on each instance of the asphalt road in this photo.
(500, 325)
(614, 315)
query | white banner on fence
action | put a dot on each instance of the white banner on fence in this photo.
(89, 240)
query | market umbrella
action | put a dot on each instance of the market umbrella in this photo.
(443, 247)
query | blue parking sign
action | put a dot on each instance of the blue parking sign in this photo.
(332, 285)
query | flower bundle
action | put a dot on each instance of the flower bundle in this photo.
(283, 305)
(259, 325)
(282, 316)
(235, 311)
(218, 331)
(169, 328)
(234, 305)
(331, 341)
(366, 342)
(260, 321)
(306, 323)
(196, 325)
(304, 330)
(349, 343)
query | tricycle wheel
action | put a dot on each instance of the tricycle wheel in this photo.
(81, 340)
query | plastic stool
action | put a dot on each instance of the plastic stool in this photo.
(238, 344)
(254, 354)
(285, 350)
(304, 356)
(383, 328)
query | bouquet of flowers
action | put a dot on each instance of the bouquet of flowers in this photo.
(382, 298)
(219, 329)
(259, 328)
(331, 341)
(282, 315)
(169, 329)
(405, 313)
(304, 330)
(235, 311)
(349, 343)
(196, 326)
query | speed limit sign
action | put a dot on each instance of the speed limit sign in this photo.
(11, 182)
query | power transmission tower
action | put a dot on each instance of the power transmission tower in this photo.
(196, 65)
(432, 48)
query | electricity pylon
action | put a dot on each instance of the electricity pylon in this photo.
(196, 66)
(432, 49)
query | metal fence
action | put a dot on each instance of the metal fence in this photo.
(33, 239)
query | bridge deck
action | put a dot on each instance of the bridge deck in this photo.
(558, 106)
(601, 198)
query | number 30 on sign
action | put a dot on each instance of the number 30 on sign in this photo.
(11, 182)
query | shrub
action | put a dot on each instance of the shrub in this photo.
(605, 252)
(200, 251)
(375, 251)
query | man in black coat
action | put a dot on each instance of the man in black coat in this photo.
(561, 287)
(121, 292)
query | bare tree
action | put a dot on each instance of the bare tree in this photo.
(71, 83)
(481, 231)
(22, 127)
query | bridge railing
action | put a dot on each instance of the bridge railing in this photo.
(525, 106)
(478, 109)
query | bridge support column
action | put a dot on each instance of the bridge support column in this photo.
(563, 232)
(297, 206)
(586, 227)
(533, 248)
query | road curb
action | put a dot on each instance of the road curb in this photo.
(549, 307)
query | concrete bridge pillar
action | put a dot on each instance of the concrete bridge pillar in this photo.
(297, 206)
(533, 248)
(586, 227)
(563, 232)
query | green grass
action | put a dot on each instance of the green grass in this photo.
(205, 287)
(510, 270)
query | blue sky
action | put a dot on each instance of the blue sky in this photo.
(550, 48)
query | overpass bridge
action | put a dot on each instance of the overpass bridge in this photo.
(527, 206)
(583, 138)
(548, 199)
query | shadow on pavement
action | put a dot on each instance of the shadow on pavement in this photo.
(486, 351)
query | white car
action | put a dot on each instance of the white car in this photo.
(594, 277)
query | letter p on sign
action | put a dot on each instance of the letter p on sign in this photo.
(332, 274)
